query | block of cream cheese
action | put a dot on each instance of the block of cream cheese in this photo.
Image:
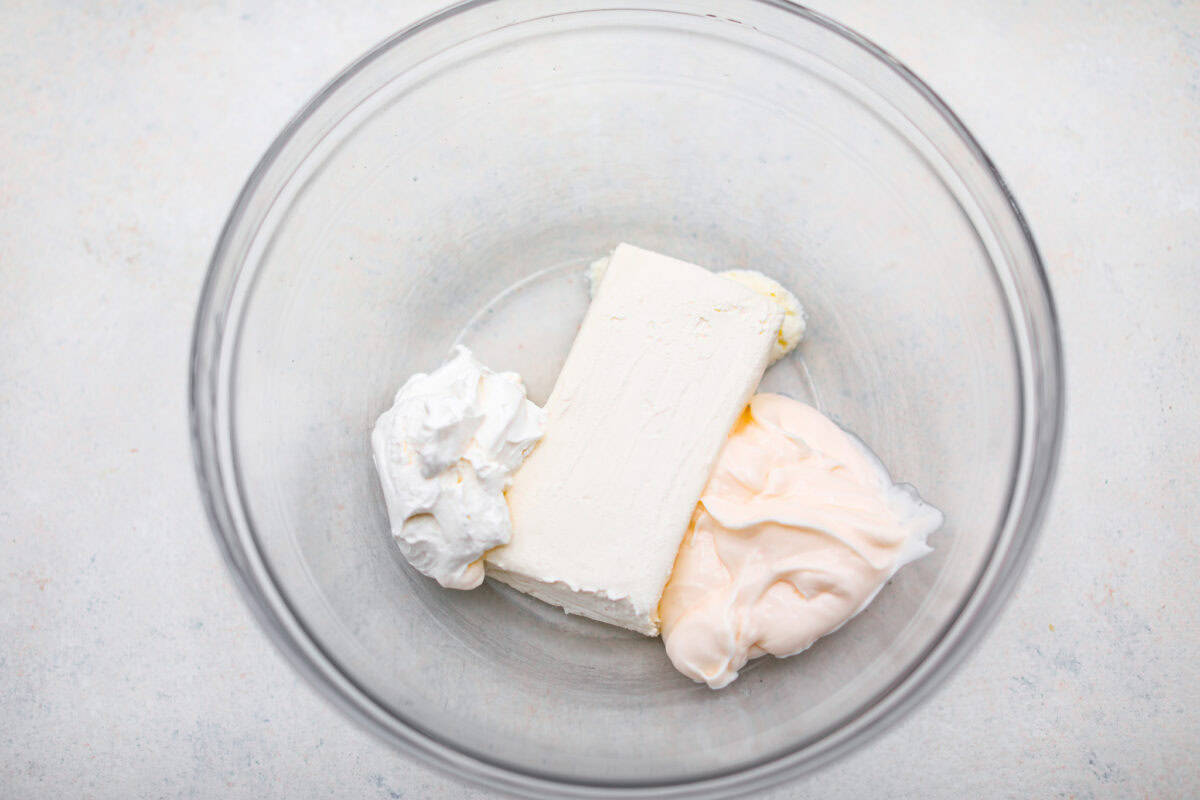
(665, 361)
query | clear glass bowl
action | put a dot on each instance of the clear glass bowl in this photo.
(451, 186)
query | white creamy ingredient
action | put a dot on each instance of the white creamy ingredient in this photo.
(445, 452)
(791, 330)
(665, 361)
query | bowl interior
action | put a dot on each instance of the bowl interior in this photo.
(457, 189)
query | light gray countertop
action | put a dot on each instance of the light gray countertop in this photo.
(129, 667)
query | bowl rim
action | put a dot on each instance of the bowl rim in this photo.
(1038, 454)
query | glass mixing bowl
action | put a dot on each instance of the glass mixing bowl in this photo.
(451, 186)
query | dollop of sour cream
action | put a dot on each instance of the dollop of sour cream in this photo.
(445, 452)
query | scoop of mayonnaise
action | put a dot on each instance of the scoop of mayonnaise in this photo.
(797, 530)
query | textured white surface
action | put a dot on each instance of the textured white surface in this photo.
(128, 666)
